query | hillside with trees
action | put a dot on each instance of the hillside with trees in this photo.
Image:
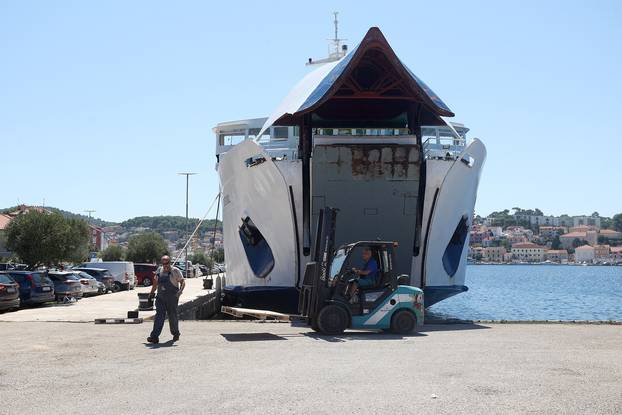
(68, 215)
(170, 223)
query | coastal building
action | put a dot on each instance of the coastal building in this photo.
(557, 255)
(476, 252)
(494, 254)
(518, 234)
(601, 251)
(584, 253)
(587, 220)
(171, 235)
(528, 252)
(582, 228)
(4, 222)
(552, 231)
(99, 239)
(610, 234)
(616, 254)
(477, 236)
(567, 240)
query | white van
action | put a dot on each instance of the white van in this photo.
(122, 271)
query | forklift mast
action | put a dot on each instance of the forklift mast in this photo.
(315, 290)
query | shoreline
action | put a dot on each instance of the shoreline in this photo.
(545, 264)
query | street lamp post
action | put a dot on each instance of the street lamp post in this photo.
(187, 174)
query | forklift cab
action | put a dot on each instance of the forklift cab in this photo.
(350, 256)
(389, 304)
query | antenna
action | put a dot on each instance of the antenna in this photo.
(89, 211)
(338, 51)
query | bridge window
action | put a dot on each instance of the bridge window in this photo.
(231, 138)
(280, 133)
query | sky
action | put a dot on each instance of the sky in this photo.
(103, 103)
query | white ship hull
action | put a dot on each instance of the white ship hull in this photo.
(388, 184)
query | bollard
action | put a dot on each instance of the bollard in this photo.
(144, 303)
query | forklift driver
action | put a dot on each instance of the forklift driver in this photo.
(367, 277)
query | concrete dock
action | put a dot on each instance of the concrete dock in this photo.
(249, 367)
(112, 305)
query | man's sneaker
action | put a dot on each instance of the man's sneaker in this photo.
(153, 340)
(176, 337)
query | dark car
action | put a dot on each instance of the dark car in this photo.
(145, 273)
(9, 293)
(66, 285)
(34, 286)
(102, 275)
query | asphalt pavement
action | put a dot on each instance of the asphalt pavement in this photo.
(261, 368)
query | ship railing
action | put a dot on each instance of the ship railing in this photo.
(443, 148)
(280, 152)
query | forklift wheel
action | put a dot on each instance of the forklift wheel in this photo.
(332, 319)
(403, 322)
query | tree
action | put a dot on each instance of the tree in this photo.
(556, 243)
(218, 255)
(605, 222)
(41, 238)
(577, 243)
(113, 253)
(77, 240)
(200, 258)
(146, 247)
(616, 222)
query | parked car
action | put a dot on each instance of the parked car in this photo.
(35, 287)
(9, 293)
(197, 270)
(122, 271)
(103, 276)
(88, 283)
(101, 288)
(66, 285)
(182, 268)
(145, 273)
(5, 266)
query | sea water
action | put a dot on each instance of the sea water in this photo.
(536, 292)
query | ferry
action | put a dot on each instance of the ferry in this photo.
(361, 133)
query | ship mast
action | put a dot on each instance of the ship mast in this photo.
(338, 51)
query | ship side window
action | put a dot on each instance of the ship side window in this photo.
(280, 133)
(232, 138)
(253, 132)
(258, 252)
(453, 252)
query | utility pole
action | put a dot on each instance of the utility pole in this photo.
(89, 211)
(187, 174)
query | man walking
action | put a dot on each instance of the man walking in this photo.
(170, 284)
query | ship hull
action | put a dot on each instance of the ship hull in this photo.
(270, 193)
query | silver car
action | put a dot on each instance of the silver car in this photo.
(88, 284)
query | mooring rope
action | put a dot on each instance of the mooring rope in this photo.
(195, 231)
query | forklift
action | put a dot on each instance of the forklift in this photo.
(325, 301)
